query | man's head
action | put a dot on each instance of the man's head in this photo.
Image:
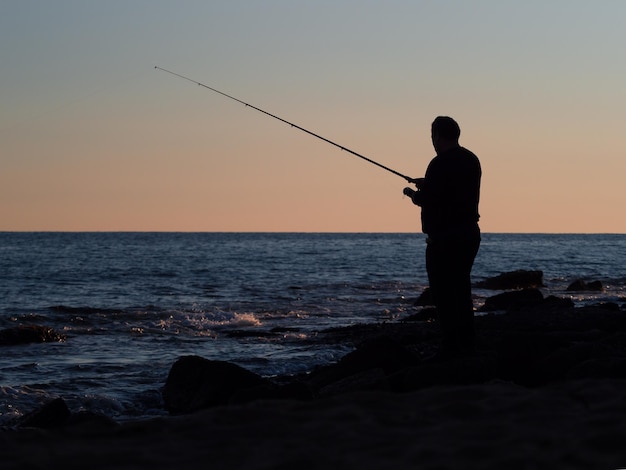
(445, 133)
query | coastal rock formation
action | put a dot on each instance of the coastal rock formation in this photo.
(537, 341)
(542, 341)
(547, 379)
(512, 299)
(580, 285)
(25, 334)
(366, 367)
(194, 383)
(520, 279)
(55, 414)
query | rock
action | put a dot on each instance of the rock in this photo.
(51, 415)
(558, 364)
(580, 285)
(512, 299)
(520, 279)
(194, 383)
(296, 390)
(371, 379)
(553, 302)
(577, 285)
(382, 353)
(522, 355)
(613, 367)
(88, 421)
(537, 342)
(608, 306)
(426, 314)
(595, 286)
(461, 370)
(25, 334)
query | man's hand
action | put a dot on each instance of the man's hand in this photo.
(408, 192)
(417, 182)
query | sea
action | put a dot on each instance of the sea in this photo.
(130, 304)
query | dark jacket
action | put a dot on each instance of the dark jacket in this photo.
(450, 193)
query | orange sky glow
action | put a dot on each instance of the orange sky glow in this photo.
(93, 138)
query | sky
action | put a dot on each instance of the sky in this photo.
(94, 138)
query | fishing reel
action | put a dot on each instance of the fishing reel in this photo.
(409, 192)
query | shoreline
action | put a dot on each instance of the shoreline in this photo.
(547, 390)
(573, 424)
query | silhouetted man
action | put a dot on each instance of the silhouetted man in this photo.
(448, 195)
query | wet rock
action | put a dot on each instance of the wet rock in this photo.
(295, 390)
(382, 353)
(579, 285)
(461, 370)
(613, 367)
(543, 341)
(88, 421)
(194, 383)
(559, 364)
(595, 286)
(553, 302)
(25, 334)
(512, 299)
(51, 415)
(520, 279)
(368, 380)
(608, 306)
(426, 314)
(521, 355)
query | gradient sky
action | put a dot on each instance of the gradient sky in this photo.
(93, 138)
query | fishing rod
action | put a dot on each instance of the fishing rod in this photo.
(410, 180)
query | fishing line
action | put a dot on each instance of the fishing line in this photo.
(410, 180)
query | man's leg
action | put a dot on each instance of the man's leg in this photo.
(449, 265)
(438, 267)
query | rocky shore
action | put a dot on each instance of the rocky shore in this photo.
(546, 389)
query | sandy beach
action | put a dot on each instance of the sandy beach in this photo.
(575, 424)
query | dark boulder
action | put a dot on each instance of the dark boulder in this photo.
(520, 279)
(427, 314)
(25, 334)
(556, 303)
(368, 380)
(608, 306)
(512, 299)
(613, 367)
(580, 285)
(383, 353)
(53, 414)
(471, 369)
(194, 383)
(595, 286)
(522, 354)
